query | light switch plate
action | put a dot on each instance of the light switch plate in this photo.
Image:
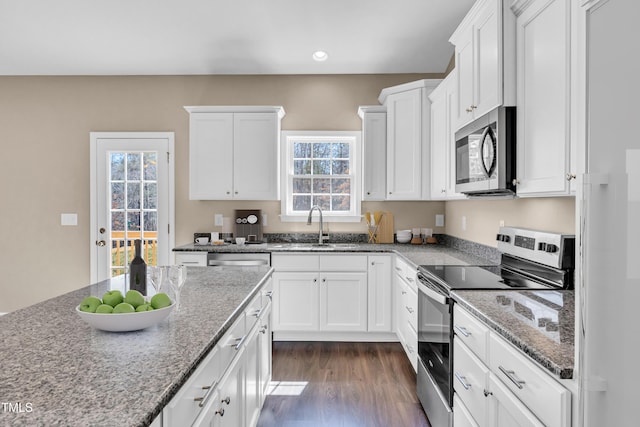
(218, 220)
(439, 220)
(68, 219)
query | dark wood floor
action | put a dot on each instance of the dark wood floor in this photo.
(342, 384)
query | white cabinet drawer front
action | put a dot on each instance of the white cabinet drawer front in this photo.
(544, 396)
(344, 262)
(411, 306)
(195, 393)
(471, 331)
(295, 262)
(253, 311)
(461, 416)
(192, 258)
(399, 265)
(470, 380)
(411, 346)
(230, 342)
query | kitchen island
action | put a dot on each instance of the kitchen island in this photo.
(57, 370)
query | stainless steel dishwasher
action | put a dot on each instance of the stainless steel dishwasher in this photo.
(238, 259)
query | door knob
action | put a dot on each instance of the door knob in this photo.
(102, 230)
(101, 242)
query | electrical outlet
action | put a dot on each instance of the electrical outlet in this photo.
(502, 223)
(218, 221)
(264, 220)
(439, 220)
(464, 223)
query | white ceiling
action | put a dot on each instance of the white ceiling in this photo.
(146, 37)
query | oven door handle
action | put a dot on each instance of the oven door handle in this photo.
(441, 299)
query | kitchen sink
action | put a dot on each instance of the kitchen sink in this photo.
(314, 246)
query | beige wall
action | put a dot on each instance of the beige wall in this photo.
(44, 166)
(483, 216)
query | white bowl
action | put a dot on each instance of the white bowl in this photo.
(403, 239)
(123, 322)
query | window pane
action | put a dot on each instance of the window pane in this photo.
(323, 201)
(150, 195)
(301, 167)
(151, 166)
(322, 150)
(321, 167)
(117, 166)
(340, 150)
(133, 166)
(322, 185)
(301, 203)
(301, 150)
(340, 167)
(133, 221)
(341, 186)
(301, 185)
(151, 221)
(133, 195)
(340, 203)
(117, 195)
(117, 221)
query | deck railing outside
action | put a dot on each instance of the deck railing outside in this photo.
(122, 249)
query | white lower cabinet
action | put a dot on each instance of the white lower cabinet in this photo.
(497, 385)
(228, 387)
(406, 308)
(332, 294)
(193, 259)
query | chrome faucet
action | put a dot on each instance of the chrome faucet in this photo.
(320, 227)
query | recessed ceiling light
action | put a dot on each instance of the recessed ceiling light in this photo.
(320, 55)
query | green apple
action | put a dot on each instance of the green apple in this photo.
(104, 309)
(124, 307)
(144, 307)
(112, 298)
(134, 298)
(160, 300)
(89, 304)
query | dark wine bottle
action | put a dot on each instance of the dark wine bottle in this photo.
(138, 271)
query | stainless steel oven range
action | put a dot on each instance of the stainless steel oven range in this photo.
(531, 260)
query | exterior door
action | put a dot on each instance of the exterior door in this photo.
(131, 198)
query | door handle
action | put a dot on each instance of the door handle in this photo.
(101, 242)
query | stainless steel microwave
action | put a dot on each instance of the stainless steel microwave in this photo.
(486, 155)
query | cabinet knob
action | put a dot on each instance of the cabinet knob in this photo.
(315, 280)
(473, 107)
(487, 393)
(468, 110)
(226, 400)
(324, 280)
(220, 412)
(515, 182)
(443, 191)
(571, 176)
(228, 192)
(368, 193)
(235, 192)
(389, 192)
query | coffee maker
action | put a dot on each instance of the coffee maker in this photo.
(248, 224)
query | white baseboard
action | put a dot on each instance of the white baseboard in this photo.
(335, 336)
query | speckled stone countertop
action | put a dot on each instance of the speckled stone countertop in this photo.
(63, 372)
(551, 345)
(414, 254)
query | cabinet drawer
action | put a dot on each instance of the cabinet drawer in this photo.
(194, 394)
(471, 331)
(411, 346)
(229, 343)
(411, 305)
(544, 396)
(399, 266)
(191, 258)
(343, 263)
(295, 262)
(253, 311)
(461, 416)
(470, 380)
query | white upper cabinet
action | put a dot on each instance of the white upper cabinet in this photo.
(408, 134)
(485, 60)
(443, 159)
(374, 137)
(234, 153)
(544, 166)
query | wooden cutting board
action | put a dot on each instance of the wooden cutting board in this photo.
(385, 230)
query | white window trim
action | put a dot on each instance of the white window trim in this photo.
(287, 167)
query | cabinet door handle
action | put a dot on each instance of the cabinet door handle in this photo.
(220, 412)
(409, 309)
(202, 400)
(468, 110)
(463, 381)
(571, 176)
(403, 292)
(324, 279)
(409, 279)
(263, 330)
(315, 280)
(269, 295)
(512, 376)
(398, 268)
(487, 393)
(226, 400)
(462, 330)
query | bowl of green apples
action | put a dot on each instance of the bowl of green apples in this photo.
(122, 313)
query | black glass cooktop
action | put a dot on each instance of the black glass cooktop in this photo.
(478, 277)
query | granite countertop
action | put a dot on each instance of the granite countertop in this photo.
(414, 254)
(63, 372)
(551, 346)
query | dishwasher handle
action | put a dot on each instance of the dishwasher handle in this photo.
(238, 262)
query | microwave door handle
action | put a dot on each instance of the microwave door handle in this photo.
(487, 136)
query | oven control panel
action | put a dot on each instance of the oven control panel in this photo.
(553, 249)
